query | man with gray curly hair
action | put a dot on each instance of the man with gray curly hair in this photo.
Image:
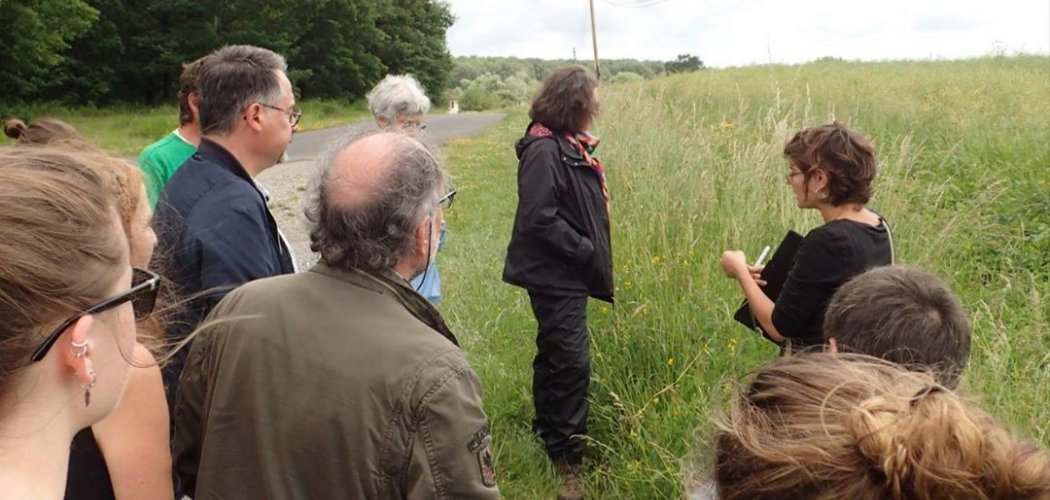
(399, 102)
(341, 381)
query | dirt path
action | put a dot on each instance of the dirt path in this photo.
(288, 182)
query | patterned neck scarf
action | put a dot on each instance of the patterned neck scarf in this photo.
(585, 143)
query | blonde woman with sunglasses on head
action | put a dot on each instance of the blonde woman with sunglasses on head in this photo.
(66, 294)
(126, 455)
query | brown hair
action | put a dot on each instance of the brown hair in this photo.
(124, 181)
(61, 253)
(43, 131)
(845, 155)
(818, 426)
(235, 77)
(904, 315)
(124, 178)
(566, 100)
(126, 184)
(191, 72)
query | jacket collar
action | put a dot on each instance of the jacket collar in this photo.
(567, 149)
(225, 159)
(387, 282)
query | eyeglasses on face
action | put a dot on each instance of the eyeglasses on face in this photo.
(294, 115)
(446, 201)
(143, 296)
(789, 175)
(409, 122)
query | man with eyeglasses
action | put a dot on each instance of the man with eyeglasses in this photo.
(399, 102)
(341, 382)
(213, 226)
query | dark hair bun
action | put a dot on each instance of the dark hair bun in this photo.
(14, 128)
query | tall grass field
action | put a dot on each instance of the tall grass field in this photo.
(694, 167)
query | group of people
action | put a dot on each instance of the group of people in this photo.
(861, 405)
(344, 381)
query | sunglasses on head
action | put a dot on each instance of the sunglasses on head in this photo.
(143, 295)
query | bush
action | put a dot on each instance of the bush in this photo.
(489, 91)
(626, 77)
(477, 99)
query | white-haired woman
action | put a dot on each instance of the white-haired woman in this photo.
(400, 102)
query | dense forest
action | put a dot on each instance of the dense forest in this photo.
(113, 51)
(106, 52)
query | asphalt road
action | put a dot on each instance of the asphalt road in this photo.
(308, 145)
(289, 182)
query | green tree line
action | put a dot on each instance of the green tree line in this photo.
(119, 51)
(480, 83)
(469, 68)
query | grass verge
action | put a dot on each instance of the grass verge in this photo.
(125, 130)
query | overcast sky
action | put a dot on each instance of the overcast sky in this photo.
(741, 32)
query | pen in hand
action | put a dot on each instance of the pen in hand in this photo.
(762, 256)
(756, 270)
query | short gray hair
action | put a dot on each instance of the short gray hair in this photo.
(376, 230)
(233, 77)
(397, 95)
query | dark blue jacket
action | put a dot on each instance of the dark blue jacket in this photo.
(214, 233)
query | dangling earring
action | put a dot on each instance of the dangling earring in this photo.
(78, 350)
(87, 387)
(822, 194)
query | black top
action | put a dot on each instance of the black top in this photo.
(560, 244)
(88, 477)
(829, 256)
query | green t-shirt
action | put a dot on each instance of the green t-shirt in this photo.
(160, 160)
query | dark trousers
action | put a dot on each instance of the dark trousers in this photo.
(561, 374)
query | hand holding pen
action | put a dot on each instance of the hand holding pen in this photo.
(756, 270)
(734, 263)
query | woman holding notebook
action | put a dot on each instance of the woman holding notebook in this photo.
(831, 169)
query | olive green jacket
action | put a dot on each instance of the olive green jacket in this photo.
(330, 384)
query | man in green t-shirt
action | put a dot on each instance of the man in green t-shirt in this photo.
(160, 160)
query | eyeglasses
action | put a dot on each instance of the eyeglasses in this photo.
(789, 175)
(143, 296)
(408, 122)
(446, 201)
(293, 114)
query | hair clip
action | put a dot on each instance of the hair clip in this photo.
(926, 391)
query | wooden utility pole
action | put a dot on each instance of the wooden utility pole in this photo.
(594, 41)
